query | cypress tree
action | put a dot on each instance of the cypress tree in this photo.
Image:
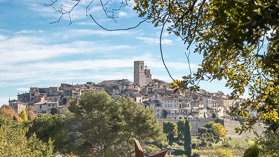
(187, 139)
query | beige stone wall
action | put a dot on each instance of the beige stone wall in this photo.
(139, 77)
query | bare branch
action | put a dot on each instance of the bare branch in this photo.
(63, 11)
(196, 25)
(106, 11)
(188, 60)
(117, 29)
(51, 3)
(161, 49)
(88, 7)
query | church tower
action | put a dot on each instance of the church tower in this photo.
(139, 75)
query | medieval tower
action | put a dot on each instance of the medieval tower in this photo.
(142, 75)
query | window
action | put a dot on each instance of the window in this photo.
(40, 106)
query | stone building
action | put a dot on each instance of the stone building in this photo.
(45, 105)
(17, 105)
(142, 75)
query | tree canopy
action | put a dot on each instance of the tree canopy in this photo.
(13, 141)
(180, 129)
(170, 128)
(54, 127)
(107, 125)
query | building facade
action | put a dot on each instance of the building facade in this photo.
(142, 75)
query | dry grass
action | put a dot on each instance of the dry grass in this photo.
(219, 152)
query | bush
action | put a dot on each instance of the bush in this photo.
(269, 144)
(196, 143)
(196, 155)
(237, 143)
(224, 153)
(252, 151)
(151, 149)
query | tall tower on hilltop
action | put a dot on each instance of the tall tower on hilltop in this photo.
(139, 73)
(142, 75)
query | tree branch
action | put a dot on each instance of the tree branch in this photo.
(117, 29)
(161, 49)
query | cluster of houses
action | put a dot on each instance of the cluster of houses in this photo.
(151, 93)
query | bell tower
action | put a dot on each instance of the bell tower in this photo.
(139, 75)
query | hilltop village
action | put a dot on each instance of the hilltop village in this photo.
(152, 93)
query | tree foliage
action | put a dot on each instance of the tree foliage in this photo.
(54, 127)
(252, 151)
(13, 141)
(269, 145)
(107, 125)
(23, 116)
(54, 111)
(170, 128)
(180, 129)
(219, 130)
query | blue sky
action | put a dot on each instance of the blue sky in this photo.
(34, 52)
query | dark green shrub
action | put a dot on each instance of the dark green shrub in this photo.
(196, 155)
(252, 151)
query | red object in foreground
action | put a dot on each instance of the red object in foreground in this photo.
(139, 151)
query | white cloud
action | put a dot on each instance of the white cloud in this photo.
(122, 14)
(152, 41)
(66, 34)
(101, 32)
(177, 66)
(26, 31)
(31, 56)
(33, 48)
(2, 38)
(22, 90)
